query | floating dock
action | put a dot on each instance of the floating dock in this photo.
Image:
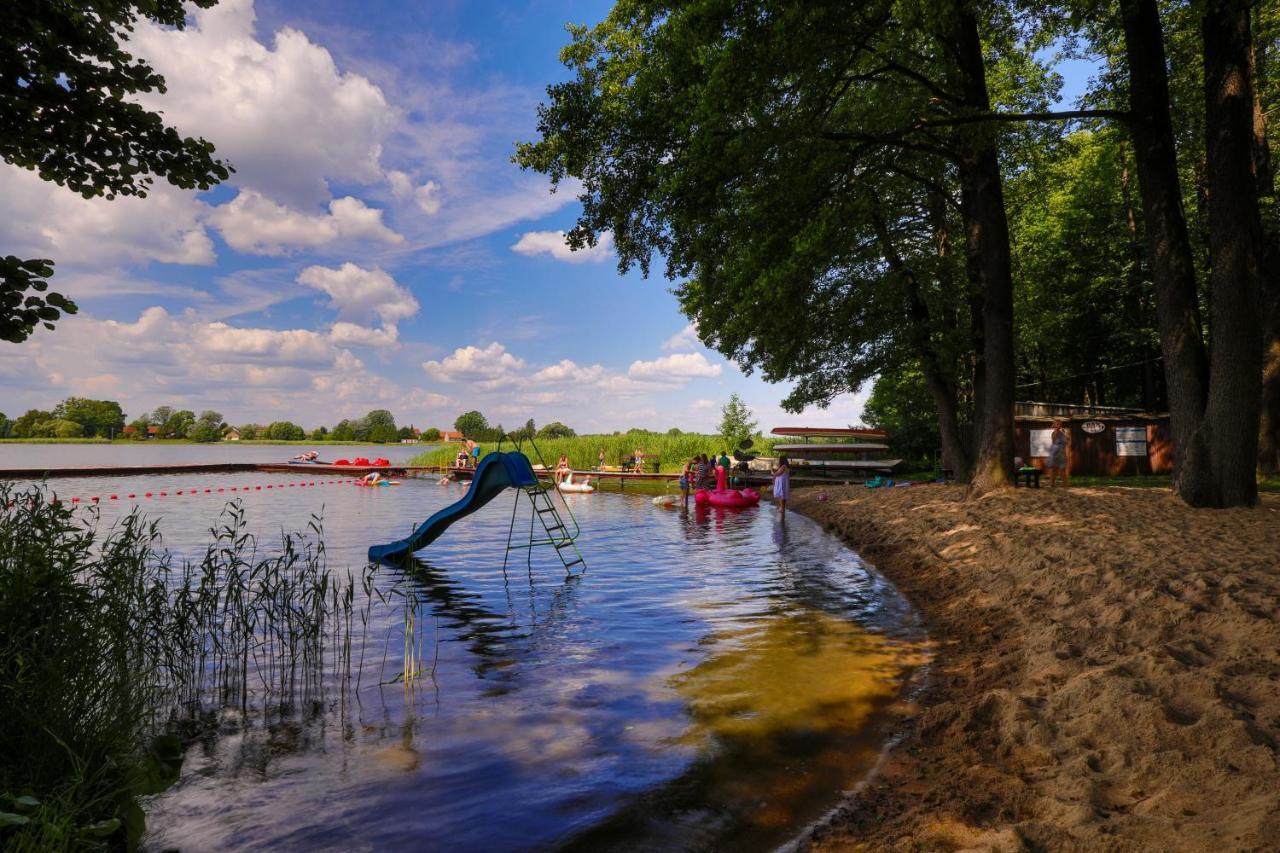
(205, 468)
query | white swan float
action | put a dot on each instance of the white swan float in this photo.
(568, 485)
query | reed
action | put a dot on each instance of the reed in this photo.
(113, 656)
(671, 450)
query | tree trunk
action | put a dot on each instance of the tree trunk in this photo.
(1169, 247)
(1235, 357)
(987, 248)
(1264, 174)
(919, 330)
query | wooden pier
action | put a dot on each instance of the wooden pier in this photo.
(205, 468)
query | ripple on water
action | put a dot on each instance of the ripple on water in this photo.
(715, 679)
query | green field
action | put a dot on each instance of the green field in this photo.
(670, 451)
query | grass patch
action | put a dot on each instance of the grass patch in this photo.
(671, 451)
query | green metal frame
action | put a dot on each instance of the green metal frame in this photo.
(558, 534)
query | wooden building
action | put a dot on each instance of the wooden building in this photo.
(1105, 441)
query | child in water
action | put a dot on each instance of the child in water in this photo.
(782, 484)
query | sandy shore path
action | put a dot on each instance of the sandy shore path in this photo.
(1107, 678)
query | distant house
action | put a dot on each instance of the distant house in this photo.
(153, 431)
(1105, 441)
(232, 434)
(129, 431)
(447, 435)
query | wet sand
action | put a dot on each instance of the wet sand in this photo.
(1107, 673)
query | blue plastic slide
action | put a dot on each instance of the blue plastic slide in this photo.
(496, 473)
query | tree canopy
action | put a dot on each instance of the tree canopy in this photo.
(68, 112)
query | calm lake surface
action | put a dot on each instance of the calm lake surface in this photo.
(714, 679)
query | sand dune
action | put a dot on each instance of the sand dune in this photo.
(1108, 674)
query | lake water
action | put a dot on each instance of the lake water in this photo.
(25, 455)
(714, 680)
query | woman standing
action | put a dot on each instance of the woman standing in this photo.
(782, 484)
(686, 479)
(1056, 464)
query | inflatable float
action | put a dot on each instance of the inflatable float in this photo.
(570, 486)
(732, 498)
(379, 483)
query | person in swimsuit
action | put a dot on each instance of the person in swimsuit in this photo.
(782, 484)
(600, 460)
(686, 479)
(1056, 464)
(563, 472)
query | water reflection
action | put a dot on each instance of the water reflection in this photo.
(715, 679)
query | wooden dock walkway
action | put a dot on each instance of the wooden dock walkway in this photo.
(205, 468)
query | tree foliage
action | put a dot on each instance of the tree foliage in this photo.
(555, 429)
(736, 423)
(68, 110)
(472, 424)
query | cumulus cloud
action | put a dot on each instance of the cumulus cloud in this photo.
(244, 372)
(552, 243)
(567, 371)
(254, 224)
(426, 196)
(350, 334)
(285, 116)
(685, 339)
(491, 366)
(44, 220)
(358, 294)
(676, 368)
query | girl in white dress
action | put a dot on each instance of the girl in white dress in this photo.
(782, 484)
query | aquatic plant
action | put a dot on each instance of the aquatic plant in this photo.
(112, 656)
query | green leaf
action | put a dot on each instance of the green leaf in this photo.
(11, 819)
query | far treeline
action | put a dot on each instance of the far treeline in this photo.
(893, 190)
(77, 417)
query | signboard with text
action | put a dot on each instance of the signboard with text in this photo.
(1131, 441)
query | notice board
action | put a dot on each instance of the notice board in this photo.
(1131, 441)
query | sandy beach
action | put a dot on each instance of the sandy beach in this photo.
(1107, 674)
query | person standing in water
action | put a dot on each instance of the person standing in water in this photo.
(782, 484)
(600, 460)
(686, 479)
(1056, 464)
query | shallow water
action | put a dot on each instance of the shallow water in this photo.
(713, 680)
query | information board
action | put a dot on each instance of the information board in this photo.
(1131, 441)
(1041, 441)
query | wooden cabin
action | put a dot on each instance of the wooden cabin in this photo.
(1105, 441)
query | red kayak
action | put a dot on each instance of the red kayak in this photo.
(732, 498)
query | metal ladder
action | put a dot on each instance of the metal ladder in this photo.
(560, 536)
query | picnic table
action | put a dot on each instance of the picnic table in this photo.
(1027, 475)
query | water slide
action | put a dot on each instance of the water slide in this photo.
(496, 473)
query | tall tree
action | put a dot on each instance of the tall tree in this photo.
(1209, 387)
(67, 111)
(689, 126)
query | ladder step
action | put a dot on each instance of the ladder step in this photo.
(545, 510)
(554, 527)
(563, 543)
(573, 562)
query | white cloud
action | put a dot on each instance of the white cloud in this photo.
(247, 373)
(677, 368)
(254, 224)
(358, 294)
(42, 219)
(685, 339)
(491, 365)
(350, 334)
(285, 116)
(553, 243)
(426, 196)
(567, 371)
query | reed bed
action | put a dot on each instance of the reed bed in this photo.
(671, 451)
(113, 656)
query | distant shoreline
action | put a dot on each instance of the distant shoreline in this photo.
(143, 442)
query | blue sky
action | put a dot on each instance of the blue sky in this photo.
(375, 248)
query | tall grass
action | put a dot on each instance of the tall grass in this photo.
(112, 657)
(670, 451)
